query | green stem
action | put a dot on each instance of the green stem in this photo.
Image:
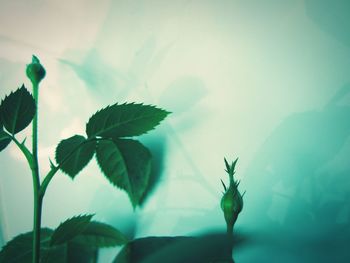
(47, 180)
(36, 182)
(36, 229)
(230, 240)
(229, 230)
(37, 197)
(28, 155)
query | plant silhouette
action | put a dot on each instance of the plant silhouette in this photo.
(124, 161)
(126, 164)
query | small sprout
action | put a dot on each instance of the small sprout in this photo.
(35, 71)
(232, 201)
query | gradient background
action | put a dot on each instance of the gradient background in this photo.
(267, 81)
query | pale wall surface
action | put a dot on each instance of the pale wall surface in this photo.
(267, 81)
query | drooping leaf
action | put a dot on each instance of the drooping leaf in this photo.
(69, 229)
(4, 139)
(17, 110)
(74, 153)
(138, 160)
(205, 249)
(124, 120)
(98, 234)
(19, 249)
(127, 164)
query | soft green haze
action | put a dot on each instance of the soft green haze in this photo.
(267, 81)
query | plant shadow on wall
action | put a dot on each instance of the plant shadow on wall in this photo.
(188, 90)
(127, 218)
(301, 184)
(126, 164)
(332, 17)
(100, 78)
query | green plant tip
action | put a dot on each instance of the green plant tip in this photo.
(35, 71)
(232, 200)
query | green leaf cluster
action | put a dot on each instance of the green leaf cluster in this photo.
(124, 161)
(75, 240)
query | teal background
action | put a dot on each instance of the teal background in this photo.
(265, 81)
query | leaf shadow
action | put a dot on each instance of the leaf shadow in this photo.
(183, 96)
(299, 180)
(105, 80)
(156, 143)
(332, 17)
(208, 247)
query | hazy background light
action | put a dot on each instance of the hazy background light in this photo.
(265, 81)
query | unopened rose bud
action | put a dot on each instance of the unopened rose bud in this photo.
(35, 71)
(232, 200)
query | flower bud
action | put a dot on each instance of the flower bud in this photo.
(35, 71)
(232, 200)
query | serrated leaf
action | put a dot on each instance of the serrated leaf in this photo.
(69, 229)
(98, 234)
(124, 120)
(5, 139)
(74, 153)
(19, 249)
(127, 164)
(17, 110)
